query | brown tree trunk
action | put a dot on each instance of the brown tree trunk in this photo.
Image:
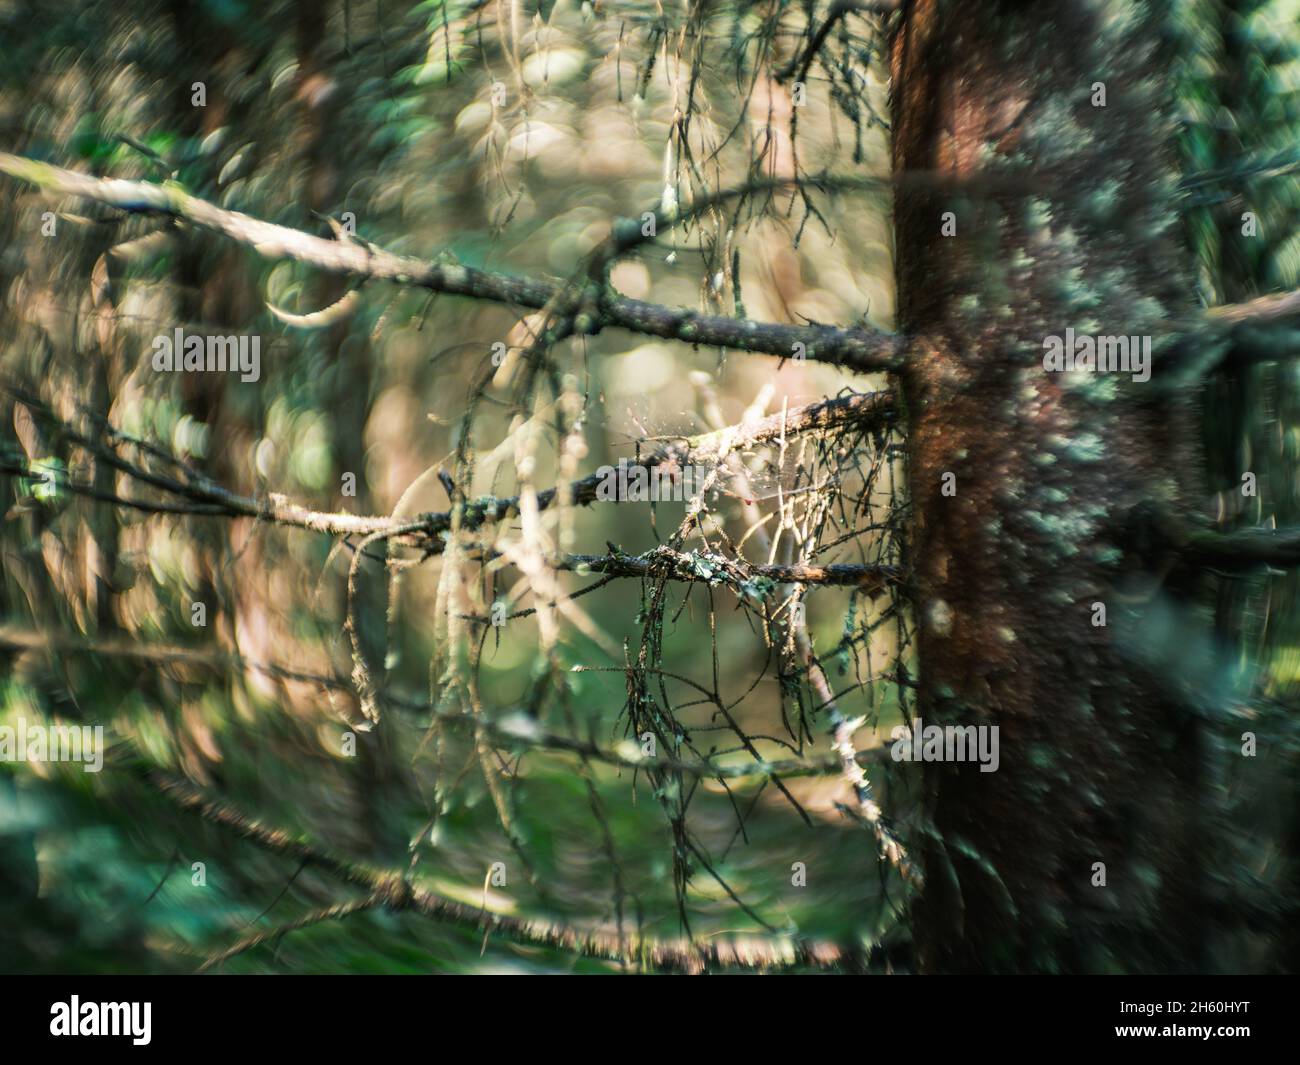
(1098, 756)
(322, 151)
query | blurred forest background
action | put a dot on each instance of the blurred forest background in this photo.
(505, 136)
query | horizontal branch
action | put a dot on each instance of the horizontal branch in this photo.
(869, 411)
(863, 410)
(1243, 549)
(1280, 306)
(399, 894)
(1265, 329)
(857, 348)
(717, 569)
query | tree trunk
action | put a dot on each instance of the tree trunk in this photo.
(1099, 758)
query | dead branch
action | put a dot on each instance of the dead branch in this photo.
(398, 894)
(870, 410)
(856, 348)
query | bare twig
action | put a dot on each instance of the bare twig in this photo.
(327, 913)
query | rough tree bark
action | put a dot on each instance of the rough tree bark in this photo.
(1099, 757)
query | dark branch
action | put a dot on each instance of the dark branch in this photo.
(718, 569)
(1243, 549)
(872, 410)
(859, 349)
(398, 894)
